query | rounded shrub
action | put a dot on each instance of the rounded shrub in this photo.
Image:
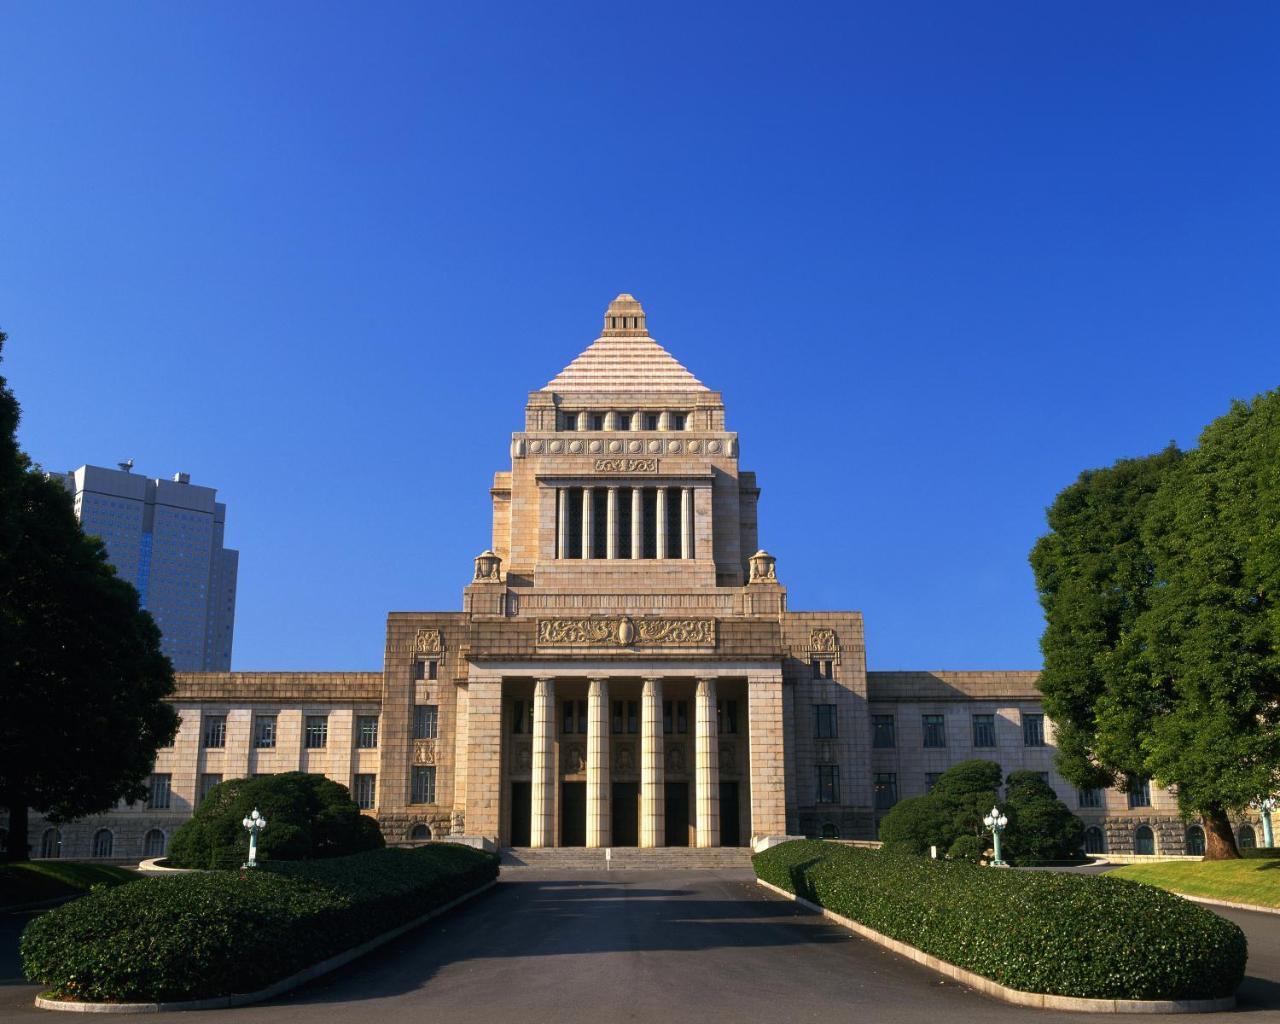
(221, 932)
(1063, 934)
(307, 816)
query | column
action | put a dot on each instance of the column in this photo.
(686, 522)
(542, 820)
(706, 764)
(611, 542)
(653, 813)
(562, 522)
(660, 513)
(483, 735)
(768, 764)
(637, 522)
(599, 820)
(583, 416)
(588, 525)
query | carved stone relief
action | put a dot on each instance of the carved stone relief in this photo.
(624, 759)
(627, 632)
(728, 759)
(626, 465)
(524, 758)
(428, 641)
(675, 758)
(575, 758)
(424, 751)
(823, 641)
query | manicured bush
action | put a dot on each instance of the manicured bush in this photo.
(1042, 828)
(1064, 934)
(220, 932)
(307, 816)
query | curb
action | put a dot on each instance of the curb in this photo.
(1256, 907)
(1018, 997)
(272, 990)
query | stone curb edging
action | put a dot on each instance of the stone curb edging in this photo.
(1257, 907)
(272, 990)
(1038, 1000)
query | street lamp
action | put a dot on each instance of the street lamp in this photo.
(255, 823)
(996, 822)
(1266, 805)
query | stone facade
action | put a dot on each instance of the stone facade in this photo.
(625, 670)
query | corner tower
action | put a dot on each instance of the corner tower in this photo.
(624, 485)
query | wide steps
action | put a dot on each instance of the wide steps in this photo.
(628, 858)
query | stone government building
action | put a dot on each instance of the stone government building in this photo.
(625, 670)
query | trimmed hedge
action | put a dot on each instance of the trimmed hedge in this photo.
(1062, 934)
(221, 932)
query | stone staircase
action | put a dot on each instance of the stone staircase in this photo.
(627, 858)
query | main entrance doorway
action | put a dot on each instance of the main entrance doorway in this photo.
(521, 811)
(730, 832)
(677, 800)
(625, 810)
(573, 814)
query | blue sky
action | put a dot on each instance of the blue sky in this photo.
(939, 258)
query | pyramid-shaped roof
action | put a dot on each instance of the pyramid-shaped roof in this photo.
(624, 358)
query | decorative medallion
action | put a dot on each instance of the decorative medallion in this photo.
(623, 631)
(823, 641)
(695, 446)
(634, 446)
(536, 447)
(557, 447)
(595, 447)
(615, 447)
(655, 446)
(575, 447)
(674, 447)
(713, 447)
(428, 641)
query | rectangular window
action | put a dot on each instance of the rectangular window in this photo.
(568, 421)
(883, 734)
(622, 421)
(682, 716)
(317, 731)
(824, 721)
(158, 791)
(433, 669)
(264, 731)
(595, 421)
(984, 730)
(366, 791)
(727, 717)
(215, 731)
(582, 717)
(367, 732)
(1139, 791)
(207, 782)
(886, 787)
(517, 719)
(931, 780)
(424, 784)
(419, 671)
(618, 708)
(650, 420)
(1033, 730)
(828, 783)
(675, 421)
(1089, 797)
(426, 720)
(567, 725)
(633, 717)
(668, 719)
(935, 730)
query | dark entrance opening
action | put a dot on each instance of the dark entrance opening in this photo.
(677, 798)
(730, 833)
(521, 809)
(573, 814)
(625, 810)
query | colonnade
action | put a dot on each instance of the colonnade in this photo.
(665, 546)
(652, 766)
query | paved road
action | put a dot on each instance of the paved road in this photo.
(667, 947)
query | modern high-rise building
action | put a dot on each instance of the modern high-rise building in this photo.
(166, 538)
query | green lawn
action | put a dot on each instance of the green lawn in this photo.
(1237, 881)
(47, 880)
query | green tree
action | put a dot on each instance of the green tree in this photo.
(1158, 581)
(81, 698)
(1041, 827)
(954, 808)
(307, 816)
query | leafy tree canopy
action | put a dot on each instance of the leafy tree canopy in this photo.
(307, 816)
(1159, 580)
(83, 675)
(1041, 827)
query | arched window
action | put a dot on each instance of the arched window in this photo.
(51, 843)
(103, 841)
(153, 843)
(419, 833)
(1195, 841)
(1247, 839)
(829, 830)
(1094, 840)
(1144, 841)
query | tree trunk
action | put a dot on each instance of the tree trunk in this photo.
(1220, 840)
(18, 840)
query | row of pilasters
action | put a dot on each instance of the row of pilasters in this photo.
(652, 774)
(665, 547)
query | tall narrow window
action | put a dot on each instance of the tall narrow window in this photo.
(650, 420)
(624, 522)
(649, 499)
(668, 717)
(618, 713)
(886, 790)
(517, 718)
(1033, 730)
(600, 521)
(633, 716)
(1089, 797)
(682, 716)
(424, 784)
(568, 421)
(828, 784)
(675, 421)
(215, 731)
(264, 731)
(207, 782)
(1139, 791)
(595, 421)
(674, 533)
(316, 732)
(367, 732)
(366, 790)
(824, 721)
(426, 720)
(622, 421)
(984, 730)
(153, 843)
(158, 791)
(103, 842)
(727, 717)
(573, 510)
(883, 734)
(935, 730)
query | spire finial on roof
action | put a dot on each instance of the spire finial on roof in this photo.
(625, 318)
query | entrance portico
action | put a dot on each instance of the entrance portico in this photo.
(648, 754)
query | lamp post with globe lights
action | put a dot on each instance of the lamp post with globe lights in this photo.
(254, 823)
(996, 822)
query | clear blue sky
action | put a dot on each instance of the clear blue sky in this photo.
(938, 257)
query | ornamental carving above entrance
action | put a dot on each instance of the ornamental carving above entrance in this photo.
(624, 631)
